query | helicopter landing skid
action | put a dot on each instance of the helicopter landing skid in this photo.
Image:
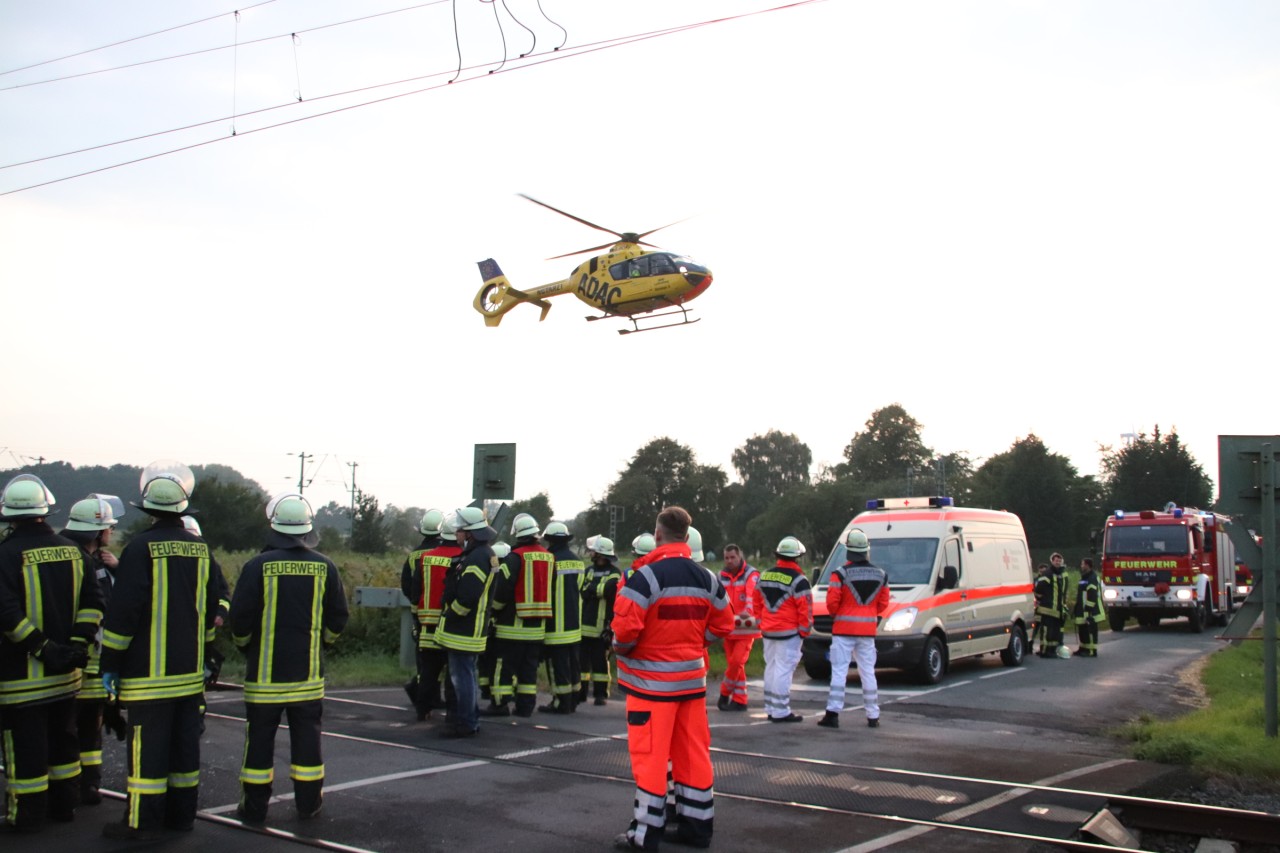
(683, 312)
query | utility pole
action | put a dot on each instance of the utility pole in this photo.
(353, 466)
(302, 469)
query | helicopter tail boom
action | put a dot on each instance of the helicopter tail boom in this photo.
(496, 296)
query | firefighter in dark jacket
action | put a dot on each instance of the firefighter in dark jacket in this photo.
(564, 631)
(1088, 610)
(168, 600)
(599, 587)
(1051, 606)
(50, 608)
(289, 607)
(89, 525)
(521, 601)
(422, 581)
(464, 622)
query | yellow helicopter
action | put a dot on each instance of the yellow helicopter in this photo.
(626, 281)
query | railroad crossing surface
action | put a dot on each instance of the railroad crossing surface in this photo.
(964, 755)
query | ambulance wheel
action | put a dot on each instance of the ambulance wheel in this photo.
(933, 661)
(817, 670)
(1017, 648)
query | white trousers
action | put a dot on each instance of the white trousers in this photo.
(844, 648)
(781, 657)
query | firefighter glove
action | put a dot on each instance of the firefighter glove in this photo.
(59, 658)
(113, 720)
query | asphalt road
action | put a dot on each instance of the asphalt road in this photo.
(561, 783)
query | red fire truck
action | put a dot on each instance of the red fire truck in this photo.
(1167, 564)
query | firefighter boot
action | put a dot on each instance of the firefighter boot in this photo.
(830, 720)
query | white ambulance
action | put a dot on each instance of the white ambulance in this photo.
(961, 583)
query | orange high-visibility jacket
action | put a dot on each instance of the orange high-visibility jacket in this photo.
(857, 596)
(741, 589)
(663, 620)
(784, 602)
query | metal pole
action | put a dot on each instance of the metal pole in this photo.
(302, 469)
(1267, 481)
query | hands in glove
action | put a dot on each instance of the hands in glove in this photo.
(113, 720)
(60, 658)
(111, 683)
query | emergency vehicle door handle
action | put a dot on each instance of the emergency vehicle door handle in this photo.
(964, 596)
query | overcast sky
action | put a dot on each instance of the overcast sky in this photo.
(1009, 217)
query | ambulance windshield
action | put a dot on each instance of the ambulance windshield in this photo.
(907, 561)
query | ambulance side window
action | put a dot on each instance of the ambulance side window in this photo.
(951, 556)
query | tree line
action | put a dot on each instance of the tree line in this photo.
(776, 493)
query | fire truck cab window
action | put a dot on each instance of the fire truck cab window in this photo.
(1144, 540)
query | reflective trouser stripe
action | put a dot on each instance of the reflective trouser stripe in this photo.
(62, 772)
(736, 653)
(91, 759)
(780, 660)
(674, 735)
(306, 774)
(184, 780)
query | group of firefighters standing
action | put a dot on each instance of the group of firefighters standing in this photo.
(1054, 610)
(83, 634)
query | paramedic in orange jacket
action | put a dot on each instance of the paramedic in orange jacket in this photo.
(739, 581)
(857, 596)
(664, 617)
(784, 606)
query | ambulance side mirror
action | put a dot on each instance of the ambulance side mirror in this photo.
(950, 578)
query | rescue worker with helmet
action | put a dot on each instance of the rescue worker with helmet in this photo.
(664, 617)
(784, 605)
(641, 546)
(521, 601)
(289, 607)
(739, 579)
(422, 582)
(1051, 606)
(1088, 609)
(599, 589)
(564, 630)
(165, 606)
(857, 596)
(89, 525)
(463, 626)
(50, 607)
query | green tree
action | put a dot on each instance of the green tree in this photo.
(1042, 488)
(539, 506)
(368, 533)
(400, 526)
(1153, 470)
(773, 463)
(888, 450)
(232, 516)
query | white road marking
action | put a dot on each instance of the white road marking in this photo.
(979, 806)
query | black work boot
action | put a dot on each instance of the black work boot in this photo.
(830, 720)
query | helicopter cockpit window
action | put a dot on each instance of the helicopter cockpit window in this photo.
(619, 271)
(640, 266)
(661, 265)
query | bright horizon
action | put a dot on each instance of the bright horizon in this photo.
(1008, 217)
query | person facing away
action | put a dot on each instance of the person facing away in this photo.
(857, 597)
(784, 605)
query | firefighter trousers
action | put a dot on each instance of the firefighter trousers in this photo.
(566, 672)
(306, 766)
(517, 674)
(164, 762)
(1052, 637)
(736, 652)
(89, 735)
(596, 674)
(844, 649)
(42, 762)
(677, 733)
(1087, 632)
(432, 662)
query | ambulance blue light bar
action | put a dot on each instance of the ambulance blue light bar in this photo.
(934, 502)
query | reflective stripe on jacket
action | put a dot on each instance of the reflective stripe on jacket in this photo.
(464, 624)
(565, 626)
(527, 569)
(857, 596)
(784, 602)
(741, 589)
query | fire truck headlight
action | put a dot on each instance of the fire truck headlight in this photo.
(901, 620)
(1245, 589)
(1183, 595)
(1110, 595)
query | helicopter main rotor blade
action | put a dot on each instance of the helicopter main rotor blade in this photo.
(581, 251)
(571, 216)
(640, 237)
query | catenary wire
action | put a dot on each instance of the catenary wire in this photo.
(542, 59)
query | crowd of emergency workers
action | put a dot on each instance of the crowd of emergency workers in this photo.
(91, 642)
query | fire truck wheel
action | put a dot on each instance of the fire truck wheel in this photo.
(1117, 621)
(1013, 653)
(1198, 618)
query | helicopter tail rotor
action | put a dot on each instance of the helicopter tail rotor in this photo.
(496, 296)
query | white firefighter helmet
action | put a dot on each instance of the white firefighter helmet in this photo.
(290, 513)
(524, 525)
(166, 486)
(471, 518)
(695, 544)
(449, 526)
(92, 513)
(557, 530)
(643, 544)
(1063, 652)
(602, 546)
(430, 523)
(501, 550)
(192, 525)
(789, 548)
(856, 542)
(26, 496)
